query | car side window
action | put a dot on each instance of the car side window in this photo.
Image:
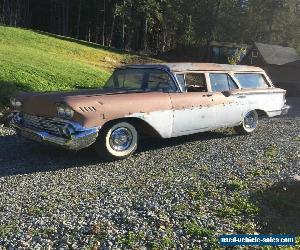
(195, 82)
(160, 81)
(221, 82)
(252, 80)
(142, 79)
(130, 79)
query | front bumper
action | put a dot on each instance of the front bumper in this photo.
(80, 138)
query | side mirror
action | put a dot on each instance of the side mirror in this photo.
(226, 93)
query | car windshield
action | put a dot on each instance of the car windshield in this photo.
(141, 80)
(251, 80)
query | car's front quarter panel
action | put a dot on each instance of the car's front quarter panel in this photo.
(154, 108)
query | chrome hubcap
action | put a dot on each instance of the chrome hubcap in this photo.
(121, 139)
(250, 120)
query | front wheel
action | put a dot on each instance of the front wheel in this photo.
(117, 141)
(249, 123)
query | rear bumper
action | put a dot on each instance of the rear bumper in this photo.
(285, 110)
(81, 138)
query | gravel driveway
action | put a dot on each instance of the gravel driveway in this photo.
(178, 193)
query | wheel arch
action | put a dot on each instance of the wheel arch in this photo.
(261, 113)
(143, 128)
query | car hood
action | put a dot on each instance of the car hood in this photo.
(44, 104)
(61, 95)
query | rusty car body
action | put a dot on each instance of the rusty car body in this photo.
(165, 100)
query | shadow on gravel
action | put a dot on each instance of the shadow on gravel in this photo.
(280, 208)
(19, 156)
(157, 143)
(294, 102)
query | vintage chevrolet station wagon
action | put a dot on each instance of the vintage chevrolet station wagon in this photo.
(165, 100)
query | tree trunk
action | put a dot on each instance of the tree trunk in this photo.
(27, 16)
(62, 17)
(52, 27)
(164, 41)
(67, 17)
(14, 11)
(3, 12)
(19, 13)
(145, 36)
(271, 21)
(11, 17)
(103, 24)
(123, 26)
(79, 19)
(89, 33)
(112, 27)
(210, 36)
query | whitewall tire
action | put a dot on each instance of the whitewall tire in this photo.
(117, 141)
(249, 123)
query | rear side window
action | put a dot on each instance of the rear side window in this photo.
(195, 82)
(251, 80)
(221, 82)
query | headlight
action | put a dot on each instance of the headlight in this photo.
(15, 103)
(67, 130)
(64, 111)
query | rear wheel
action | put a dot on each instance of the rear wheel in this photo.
(117, 141)
(249, 123)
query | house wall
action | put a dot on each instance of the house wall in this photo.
(286, 77)
(283, 76)
(249, 60)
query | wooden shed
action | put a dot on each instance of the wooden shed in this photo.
(282, 64)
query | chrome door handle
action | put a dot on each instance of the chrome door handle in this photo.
(241, 96)
(209, 95)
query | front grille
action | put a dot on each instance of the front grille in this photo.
(43, 124)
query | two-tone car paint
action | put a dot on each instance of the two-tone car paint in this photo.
(169, 114)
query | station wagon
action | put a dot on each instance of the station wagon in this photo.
(165, 100)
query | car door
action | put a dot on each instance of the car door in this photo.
(193, 110)
(229, 111)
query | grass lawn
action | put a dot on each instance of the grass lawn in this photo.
(36, 61)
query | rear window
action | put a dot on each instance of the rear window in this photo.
(251, 80)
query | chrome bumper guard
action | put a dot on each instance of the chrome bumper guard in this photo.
(80, 137)
(285, 109)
